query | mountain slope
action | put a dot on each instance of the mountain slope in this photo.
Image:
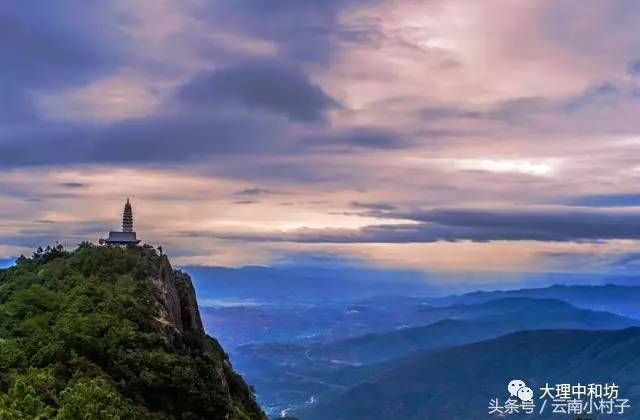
(621, 300)
(110, 333)
(289, 375)
(471, 323)
(457, 383)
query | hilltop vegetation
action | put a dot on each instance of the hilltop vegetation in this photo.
(82, 336)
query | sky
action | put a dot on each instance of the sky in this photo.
(430, 135)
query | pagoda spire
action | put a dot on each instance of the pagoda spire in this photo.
(127, 217)
(127, 236)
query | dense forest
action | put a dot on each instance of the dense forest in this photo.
(81, 338)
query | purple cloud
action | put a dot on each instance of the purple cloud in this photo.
(267, 85)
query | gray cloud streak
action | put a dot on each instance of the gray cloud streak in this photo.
(472, 225)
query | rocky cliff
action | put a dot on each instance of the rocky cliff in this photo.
(114, 333)
(175, 299)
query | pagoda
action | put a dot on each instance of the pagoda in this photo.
(128, 235)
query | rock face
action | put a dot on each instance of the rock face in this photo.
(189, 313)
(178, 314)
(166, 297)
(176, 300)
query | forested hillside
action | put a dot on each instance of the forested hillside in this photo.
(110, 333)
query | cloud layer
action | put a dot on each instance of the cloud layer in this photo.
(247, 130)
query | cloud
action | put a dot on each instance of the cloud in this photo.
(360, 137)
(380, 206)
(73, 185)
(442, 112)
(40, 45)
(304, 30)
(470, 225)
(46, 46)
(246, 202)
(539, 167)
(516, 109)
(267, 85)
(550, 225)
(15, 105)
(166, 138)
(606, 200)
(604, 107)
(634, 67)
(194, 135)
(254, 191)
(348, 110)
(631, 259)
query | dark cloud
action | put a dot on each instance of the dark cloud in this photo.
(628, 259)
(516, 110)
(185, 136)
(49, 45)
(363, 137)
(594, 99)
(634, 67)
(15, 105)
(438, 113)
(214, 114)
(44, 232)
(73, 184)
(164, 138)
(373, 206)
(473, 225)
(268, 85)
(599, 94)
(571, 113)
(181, 136)
(285, 171)
(549, 225)
(304, 30)
(254, 191)
(606, 200)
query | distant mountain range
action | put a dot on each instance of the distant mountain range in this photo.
(468, 323)
(621, 300)
(458, 382)
(292, 373)
(239, 320)
(305, 283)
(337, 280)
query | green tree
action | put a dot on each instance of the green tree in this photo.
(93, 399)
(27, 396)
